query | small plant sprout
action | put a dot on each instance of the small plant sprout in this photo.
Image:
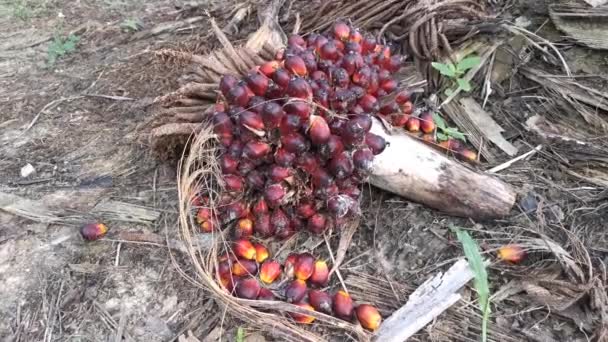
(131, 25)
(455, 72)
(444, 132)
(61, 46)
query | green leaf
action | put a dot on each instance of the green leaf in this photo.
(473, 255)
(439, 121)
(441, 136)
(464, 84)
(468, 63)
(240, 335)
(455, 133)
(448, 92)
(445, 69)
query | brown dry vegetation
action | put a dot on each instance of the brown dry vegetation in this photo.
(91, 164)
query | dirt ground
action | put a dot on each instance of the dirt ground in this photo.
(75, 122)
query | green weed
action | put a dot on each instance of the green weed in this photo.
(456, 71)
(61, 46)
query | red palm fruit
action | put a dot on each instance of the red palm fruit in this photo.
(310, 61)
(256, 104)
(202, 215)
(355, 36)
(511, 253)
(336, 125)
(290, 264)
(375, 143)
(402, 97)
(243, 248)
(246, 166)
(295, 291)
(258, 83)
(244, 267)
(427, 125)
(248, 288)
(281, 77)
(394, 63)
(266, 294)
(302, 318)
(332, 148)
(270, 271)
(352, 47)
(321, 96)
(380, 93)
(299, 87)
(255, 150)
(339, 205)
(228, 282)
(340, 78)
(341, 166)
(369, 103)
(429, 138)
(317, 223)
(407, 107)
(235, 149)
(389, 108)
(296, 39)
(255, 179)
(275, 92)
(93, 231)
(468, 155)
(388, 86)
(239, 95)
(279, 173)
(272, 113)
(413, 124)
(362, 77)
(274, 193)
(454, 145)
(368, 316)
(279, 219)
(251, 119)
(222, 125)
(368, 43)
(299, 108)
(228, 256)
(319, 42)
(290, 123)
(318, 131)
(321, 179)
(374, 83)
(318, 75)
(224, 268)
(320, 300)
(351, 62)
(280, 55)
(306, 209)
(295, 65)
(207, 226)
(343, 99)
(399, 119)
(385, 76)
(244, 228)
(246, 135)
(359, 92)
(260, 207)
(310, 39)
(295, 223)
(262, 226)
(286, 233)
(304, 266)
(320, 274)
(233, 182)
(294, 143)
(269, 68)
(341, 31)
(363, 159)
(282, 157)
(329, 51)
(343, 305)
(228, 82)
(358, 125)
(261, 253)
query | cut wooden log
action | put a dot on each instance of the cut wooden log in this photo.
(411, 169)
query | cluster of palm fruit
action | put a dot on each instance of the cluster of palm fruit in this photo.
(249, 272)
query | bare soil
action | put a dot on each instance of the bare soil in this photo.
(85, 149)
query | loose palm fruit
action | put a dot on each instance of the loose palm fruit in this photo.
(244, 249)
(229, 164)
(261, 252)
(511, 253)
(243, 267)
(318, 131)
(407, 108)
(262, 226)
(279, 220)
(306, 209)
(376, 143)
(207, 226)
(274, 194)
(244, 228)
(279, 173)
(248, 288)
(301, 318)
(202, 215)
(234, 211)
(266, 294)
(368, 316)
(255, 179)
(339, 205)
(93, 231)
(468, 155)
(399, 119)
(233, 182)
(282, 157)
(317, 223)
(320, 300)
(304, 266)
(427, 125)
(295, 291)
(413, 124)
(403, 97)
(289, 265)
(270, 271)
(343, 305)
(320, 274)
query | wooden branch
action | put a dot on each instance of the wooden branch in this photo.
(411, 169)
